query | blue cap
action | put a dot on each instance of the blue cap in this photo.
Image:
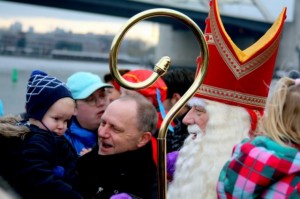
(83, 84)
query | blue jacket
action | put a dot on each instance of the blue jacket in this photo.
(80, 138)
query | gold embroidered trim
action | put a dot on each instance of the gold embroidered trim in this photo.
(239, 70)
(229, 95)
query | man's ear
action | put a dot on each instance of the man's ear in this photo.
(175, 98)
(146, 137)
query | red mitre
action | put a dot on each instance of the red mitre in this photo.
(238, 77)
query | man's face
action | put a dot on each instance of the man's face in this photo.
(197, 115)
(90, 110)
(118, 130)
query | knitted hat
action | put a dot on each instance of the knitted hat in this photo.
(83, 84)
(42, 92)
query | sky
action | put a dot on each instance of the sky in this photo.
(44, 19)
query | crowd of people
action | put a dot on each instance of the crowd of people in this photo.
(87, 138)
(74, 141)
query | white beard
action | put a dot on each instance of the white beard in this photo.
(200, 160)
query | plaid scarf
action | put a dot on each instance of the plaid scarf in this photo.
(261, 168)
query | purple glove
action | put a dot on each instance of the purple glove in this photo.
(121, 196)
(171, 160)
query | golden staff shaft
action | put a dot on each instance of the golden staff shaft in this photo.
(159, 70)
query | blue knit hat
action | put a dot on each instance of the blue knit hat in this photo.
(42, 92)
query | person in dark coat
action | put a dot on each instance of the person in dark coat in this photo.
(123, 161)
(43, 163)
(178, 82)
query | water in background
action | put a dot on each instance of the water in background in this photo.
(15, 71)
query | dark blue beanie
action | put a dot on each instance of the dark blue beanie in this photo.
(42, 92)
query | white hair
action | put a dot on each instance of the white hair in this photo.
(201, 159)
(194, 101)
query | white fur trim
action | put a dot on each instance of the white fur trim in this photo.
(196, 101)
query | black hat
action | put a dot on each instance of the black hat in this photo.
(42, 92)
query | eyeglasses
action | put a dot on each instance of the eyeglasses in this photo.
(93, 100)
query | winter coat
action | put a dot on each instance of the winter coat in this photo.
(43, 164)
(261, 168)
(80, 138)
(132, 172)
(10, 140)
(176, 139)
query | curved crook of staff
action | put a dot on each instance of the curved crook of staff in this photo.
(159, 70)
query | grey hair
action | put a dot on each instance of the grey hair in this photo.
(146, 112)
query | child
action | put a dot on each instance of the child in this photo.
(44, 162)
(268, 166)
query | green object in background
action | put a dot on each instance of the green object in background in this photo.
(14, 75)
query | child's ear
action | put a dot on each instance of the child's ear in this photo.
(146, 137)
